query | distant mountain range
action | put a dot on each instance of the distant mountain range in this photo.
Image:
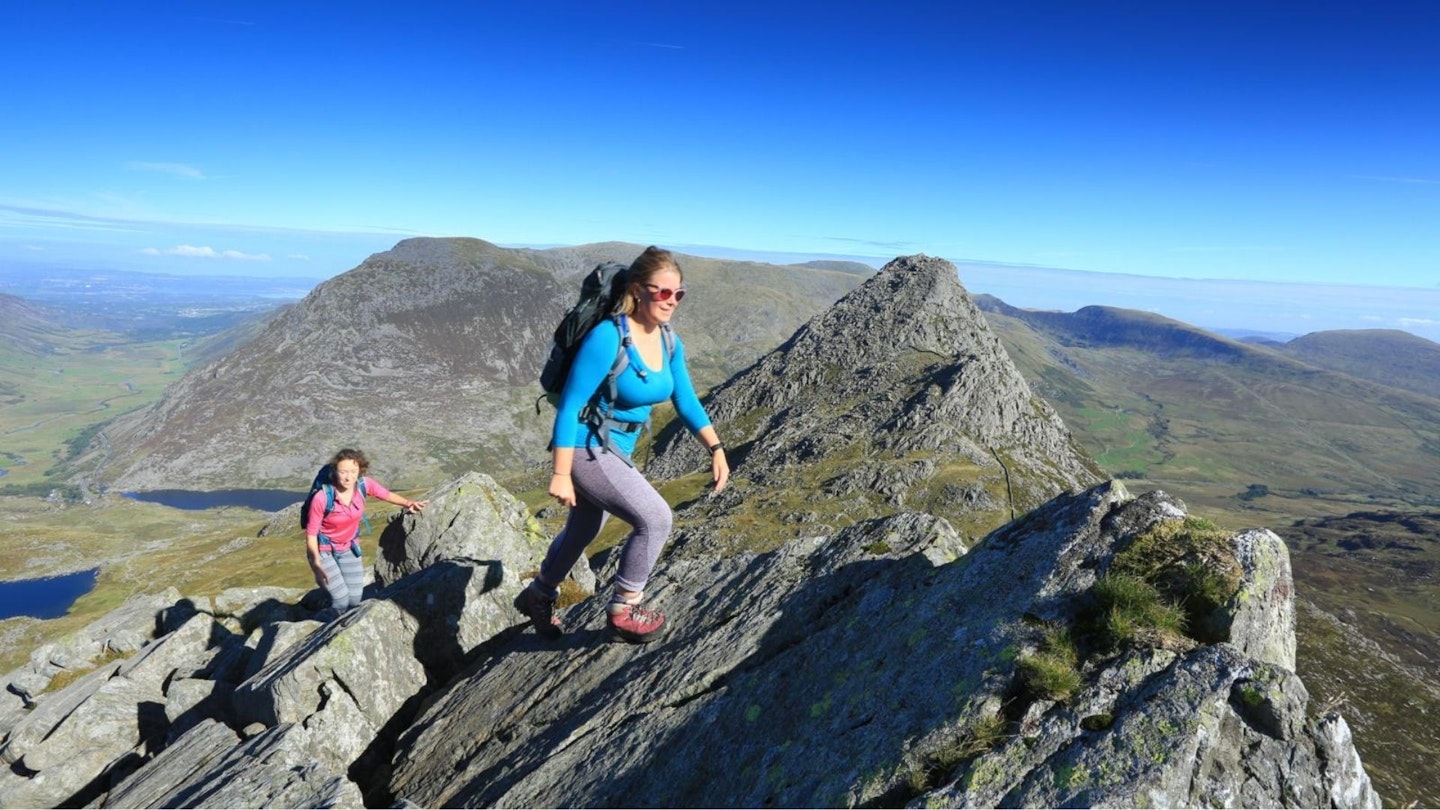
(1162, 401)
(427, 357)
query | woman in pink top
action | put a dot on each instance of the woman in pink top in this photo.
(333, 548)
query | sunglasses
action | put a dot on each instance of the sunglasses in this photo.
(659, 293)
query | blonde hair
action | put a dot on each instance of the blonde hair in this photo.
(649, 264)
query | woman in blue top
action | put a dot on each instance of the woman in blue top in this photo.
(593, 474)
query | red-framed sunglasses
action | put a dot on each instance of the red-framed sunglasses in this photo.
(663, 293)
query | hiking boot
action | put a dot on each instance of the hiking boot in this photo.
(541, 612)
(635, 623)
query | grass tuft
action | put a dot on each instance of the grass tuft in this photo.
(1052, 672)
(1133, 611)
(932, 768)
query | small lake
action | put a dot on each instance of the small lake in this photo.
(265, 500)
(46, 598)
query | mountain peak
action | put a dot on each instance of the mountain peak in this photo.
(897, 396)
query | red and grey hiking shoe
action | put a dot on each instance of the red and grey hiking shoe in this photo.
(541, 612)
(635, 623)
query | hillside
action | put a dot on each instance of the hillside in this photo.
(426, 356)
(1342, 468)
(30, 330)
(1237, 426)
(1385, 356)
(59, 382)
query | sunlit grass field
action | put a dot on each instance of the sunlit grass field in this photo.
(144, 548)
(51, 404)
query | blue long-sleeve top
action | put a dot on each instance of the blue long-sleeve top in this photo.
(634, 395)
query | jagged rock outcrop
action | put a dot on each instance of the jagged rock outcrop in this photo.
(440, 341)
(328, 697)
(211, 767)
(885, 664)
(879, 666)
(899, 397)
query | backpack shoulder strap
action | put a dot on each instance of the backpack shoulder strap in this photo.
(329, 498)
(622, 360)
(667, 332)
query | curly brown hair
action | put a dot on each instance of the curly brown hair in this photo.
(349, 454)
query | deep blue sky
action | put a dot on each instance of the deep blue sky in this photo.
(1288, 141)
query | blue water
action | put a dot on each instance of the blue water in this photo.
(47, 598)
(265, 500)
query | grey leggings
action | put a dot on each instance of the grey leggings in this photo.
(604, 486)
(345, 576)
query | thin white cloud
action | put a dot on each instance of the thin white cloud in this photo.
(1422, 181)
(206, 252)
(245, 257)
(194, 251)
(884, 245)
(174, 169)
(299, 256)
(663, 45)
(1227, 249)
(21, 215)
(35, 248)
(1410, 323)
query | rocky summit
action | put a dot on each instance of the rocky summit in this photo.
(899, 397)
(1099, 649)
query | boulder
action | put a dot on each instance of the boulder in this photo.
(471, 517)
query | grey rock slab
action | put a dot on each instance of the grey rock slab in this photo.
(1176, 736)
(254, 607)
(189, 701)
(211, 767)
(367, 652)
(51, 711)
(272, 640)
(544, 721)
(119, 721)
(1263, 623)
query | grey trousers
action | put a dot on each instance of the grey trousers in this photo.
(604, 486)
(345, 572)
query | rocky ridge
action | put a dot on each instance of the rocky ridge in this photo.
(880, 666)
(898, 397)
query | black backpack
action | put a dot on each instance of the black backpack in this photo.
(598, 293)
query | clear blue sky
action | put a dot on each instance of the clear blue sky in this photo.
(1289, 141)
